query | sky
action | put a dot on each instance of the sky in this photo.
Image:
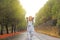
(32, 6)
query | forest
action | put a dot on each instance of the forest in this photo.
(12, 17)
(47, 19)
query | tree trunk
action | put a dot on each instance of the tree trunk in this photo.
(7, 29)
(2, 29)
(13, 28)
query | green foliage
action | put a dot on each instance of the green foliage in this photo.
(50, 11)
(11, 12)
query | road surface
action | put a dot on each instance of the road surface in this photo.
(23, 36)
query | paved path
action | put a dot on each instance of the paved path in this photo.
(23, 36)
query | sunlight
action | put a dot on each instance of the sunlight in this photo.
(32, 6)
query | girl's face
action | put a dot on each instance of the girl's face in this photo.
(30, 18)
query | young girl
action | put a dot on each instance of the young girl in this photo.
(30, 27)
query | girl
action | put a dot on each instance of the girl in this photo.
(30, 27)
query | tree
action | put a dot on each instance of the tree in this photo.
(11, 13)
(50, 11)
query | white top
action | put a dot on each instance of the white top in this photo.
(30, 26)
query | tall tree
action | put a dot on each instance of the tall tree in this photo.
(50, 11)
(11, 13)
